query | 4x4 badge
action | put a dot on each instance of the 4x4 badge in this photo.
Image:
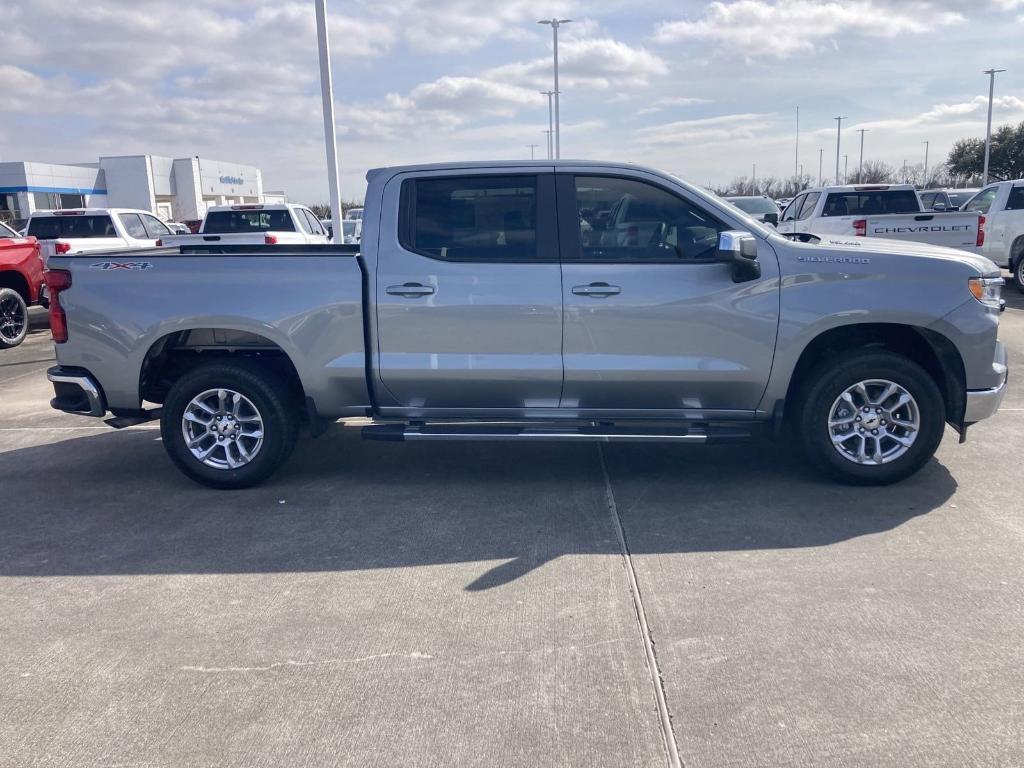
(121, 265)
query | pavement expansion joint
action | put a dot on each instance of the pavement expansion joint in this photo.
(668, 737)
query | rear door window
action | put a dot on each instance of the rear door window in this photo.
(476, 218)
(53, 227)
(871, 203)
(235, 222)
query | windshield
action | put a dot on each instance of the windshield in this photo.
(235, 222)
(6, 231)
(960, 196)
(348, 227)
(754, 204)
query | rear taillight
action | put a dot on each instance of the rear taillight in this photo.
(60, 247)
(57, 280)
(159, 243)
(270, 239)
(860, 227)
(981, 232)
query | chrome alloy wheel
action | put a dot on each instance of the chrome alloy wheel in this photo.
(222, 428)
(12, 318)
(874, 422)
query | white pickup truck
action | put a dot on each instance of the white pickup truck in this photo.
(1002, 206)
(255, 224)
(890, 211)
(80, 230)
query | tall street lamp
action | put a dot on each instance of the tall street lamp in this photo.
(555, 23)
(988, 129)
(839, 138)
(549, 94)
(821, 157)
(532, 148)
(860, 168)
(796, 152)
(327, 94)
(846, 168)
(924, 181)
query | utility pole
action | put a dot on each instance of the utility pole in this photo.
(924, 181)
(839, 138)
(555, 23)
(821, 157)
(988, 129)
(860, 169)
(330, 134)
(532, 147)
(551, 152)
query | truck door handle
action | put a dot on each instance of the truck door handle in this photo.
(410, 290)
(596, 290)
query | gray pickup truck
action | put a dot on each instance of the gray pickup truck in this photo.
(535, 301)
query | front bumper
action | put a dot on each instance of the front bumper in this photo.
(76, 391)
(982, 403)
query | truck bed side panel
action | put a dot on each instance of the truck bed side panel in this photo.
(309, 306)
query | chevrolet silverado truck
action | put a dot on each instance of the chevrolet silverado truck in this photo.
(573, 301)
(893, 212)
(255, 224)
(21, 283)
(80, 230)
(1002, 206)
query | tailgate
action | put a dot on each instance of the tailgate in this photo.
(950, 230)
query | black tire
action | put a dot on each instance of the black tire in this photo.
(272, 401)
(13, 318)
(827, 382)
(1017, 267)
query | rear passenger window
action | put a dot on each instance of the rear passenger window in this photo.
(871, 203)
(70, 226)
(479, 218)
(133, 225)
(1016, 201)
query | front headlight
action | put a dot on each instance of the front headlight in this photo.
(987, 290)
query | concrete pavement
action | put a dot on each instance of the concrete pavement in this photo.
(379, 604)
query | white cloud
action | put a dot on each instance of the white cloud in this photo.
(670, 101)
(786, 28)
(1005, 108)
(687, 133)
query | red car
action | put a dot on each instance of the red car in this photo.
(21, 282)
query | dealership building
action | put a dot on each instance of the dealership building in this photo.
(177, 189)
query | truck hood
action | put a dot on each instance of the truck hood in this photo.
(867, 245)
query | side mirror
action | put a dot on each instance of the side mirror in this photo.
(939, 207)
(771, 218)
(739, 249)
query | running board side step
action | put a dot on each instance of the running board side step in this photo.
(602, 434)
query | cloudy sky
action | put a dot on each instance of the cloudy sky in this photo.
(702, 89)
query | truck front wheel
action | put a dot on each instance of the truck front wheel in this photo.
(228, 424)
(870, 418)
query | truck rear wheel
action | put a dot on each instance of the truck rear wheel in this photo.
(1017, 267)
(870, 418)
(13, 318)
(228, 424)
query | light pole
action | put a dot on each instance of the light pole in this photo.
(821, 157)
(904, 171)
(796, 153)
(860, 168)
(555, 23)
(753, 180)
(846, 168)
(550, 138)
(327, 93)
(924, 181)
(532, 148)
(839, 138)
(551, 153)
(988, 129)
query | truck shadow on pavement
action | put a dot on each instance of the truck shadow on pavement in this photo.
(112, 504)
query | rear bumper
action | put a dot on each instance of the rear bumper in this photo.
(76, 391)
(982, 403)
